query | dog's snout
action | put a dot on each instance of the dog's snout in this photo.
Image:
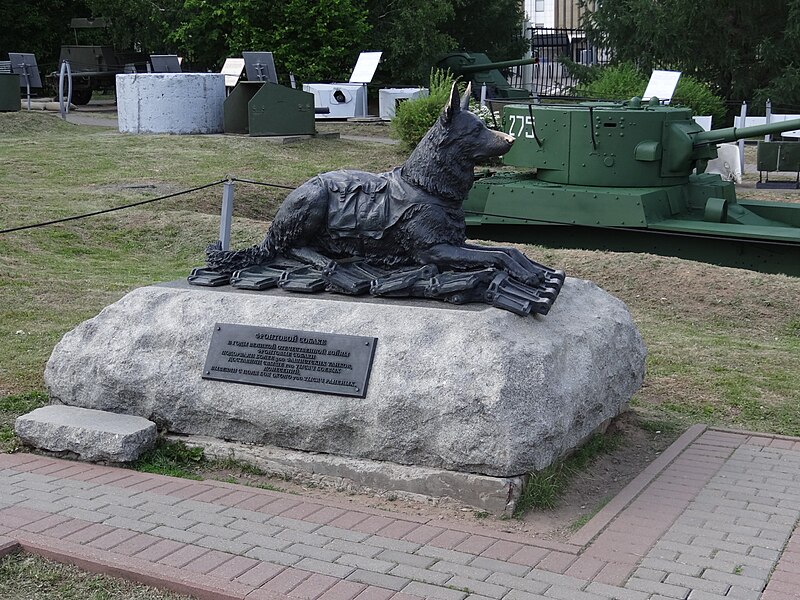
(508, 139)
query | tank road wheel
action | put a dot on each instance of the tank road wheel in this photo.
(81, 96)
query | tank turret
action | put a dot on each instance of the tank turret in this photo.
(480, 70)
(635, 144)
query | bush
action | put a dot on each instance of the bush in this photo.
(623, 82)
(620, 82)
(414, 117)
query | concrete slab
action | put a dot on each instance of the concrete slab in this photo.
(93, 435)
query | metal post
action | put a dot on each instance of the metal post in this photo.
(768, 137)
(227, 215)
(742, 123)
(483, 95)
(366, 107)
(63, 107)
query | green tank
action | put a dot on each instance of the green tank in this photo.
(480, 70)
(630, 177)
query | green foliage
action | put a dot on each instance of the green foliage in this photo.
(414, 117)
(140, 24)
(544, 488)
(620, 82)
(312, 39)
(494, 28)
(175, 459)
(698, 96)
(410, 33)
(738, 46)
(38, 26)
(623, 81)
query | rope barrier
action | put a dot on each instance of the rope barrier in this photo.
(108, 210)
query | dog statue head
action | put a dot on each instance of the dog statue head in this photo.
(443, 163)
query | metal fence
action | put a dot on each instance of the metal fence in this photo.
(548, 77)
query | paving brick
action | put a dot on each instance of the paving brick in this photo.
(306, 551)
(132, 524)
(110, 540)
(293, 524)
(337, 533)
(585, 567)
(731, 578)
(216, 531)
(178, 535)
(614, 574)
(423, 534)
(326, 568)
(564, 594)
(671, 567)
(302, 510)
(158, 550)
(169, 521)
(426, 590)
(87, 534)
(285, 581)
(182, 556)
(501, 566)
(235, 513)
(617, 593)
(209, 518)
(383, 580)
(420, 574)
(15, 517)
(208, 561)
(135, 544)
(697, 583)
(448, 539)
(654, 587)
(473, 586)
(267, 529)
(372, 592)
(391, 544)
(275, 556)
(445, 554)
(229, 546)
(556, 579)
(557, 562)
(264, 541)
(259, 574)
(370, 564)
(347, 547)
(518, 583)
(520, 595)
(325, 515)
(529, 556)
(502, 550)
(398, 529)
(344, 590)
(462, 570)
(313, 587)
(349, 520)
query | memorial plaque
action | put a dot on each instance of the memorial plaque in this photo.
(328, 363)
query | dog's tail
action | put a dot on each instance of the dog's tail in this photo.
(229, 261)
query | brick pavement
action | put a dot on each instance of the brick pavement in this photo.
(713, 518)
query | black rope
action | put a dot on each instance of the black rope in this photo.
(275, 185)
(108, 210)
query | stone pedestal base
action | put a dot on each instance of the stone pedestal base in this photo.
(471, 389)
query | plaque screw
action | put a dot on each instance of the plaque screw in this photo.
(366, 343)
(219, 328)
(208, 372)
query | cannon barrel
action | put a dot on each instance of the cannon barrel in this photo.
(731, 134)
(478, 67)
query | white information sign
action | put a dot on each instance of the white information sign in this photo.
(232, 69)
(662, 85)
(365, 67)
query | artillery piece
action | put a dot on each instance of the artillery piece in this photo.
(629, 177)
(480, 70)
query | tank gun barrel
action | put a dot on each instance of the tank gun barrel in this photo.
(731, 134)
(478, 67)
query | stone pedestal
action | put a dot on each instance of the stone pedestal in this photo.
(472, 389)
(170, 102)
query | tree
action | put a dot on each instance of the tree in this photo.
(494, 28)
(410, 34)
(735, 45)
(140, 24)
(312, 39)
(39, 27)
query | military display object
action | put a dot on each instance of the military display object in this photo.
(400, 233)
(478, 69)
(96, 67)
(622, 177)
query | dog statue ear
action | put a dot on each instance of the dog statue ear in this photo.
(453, 106)
(465, 97)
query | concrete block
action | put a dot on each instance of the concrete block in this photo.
(93, 435)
